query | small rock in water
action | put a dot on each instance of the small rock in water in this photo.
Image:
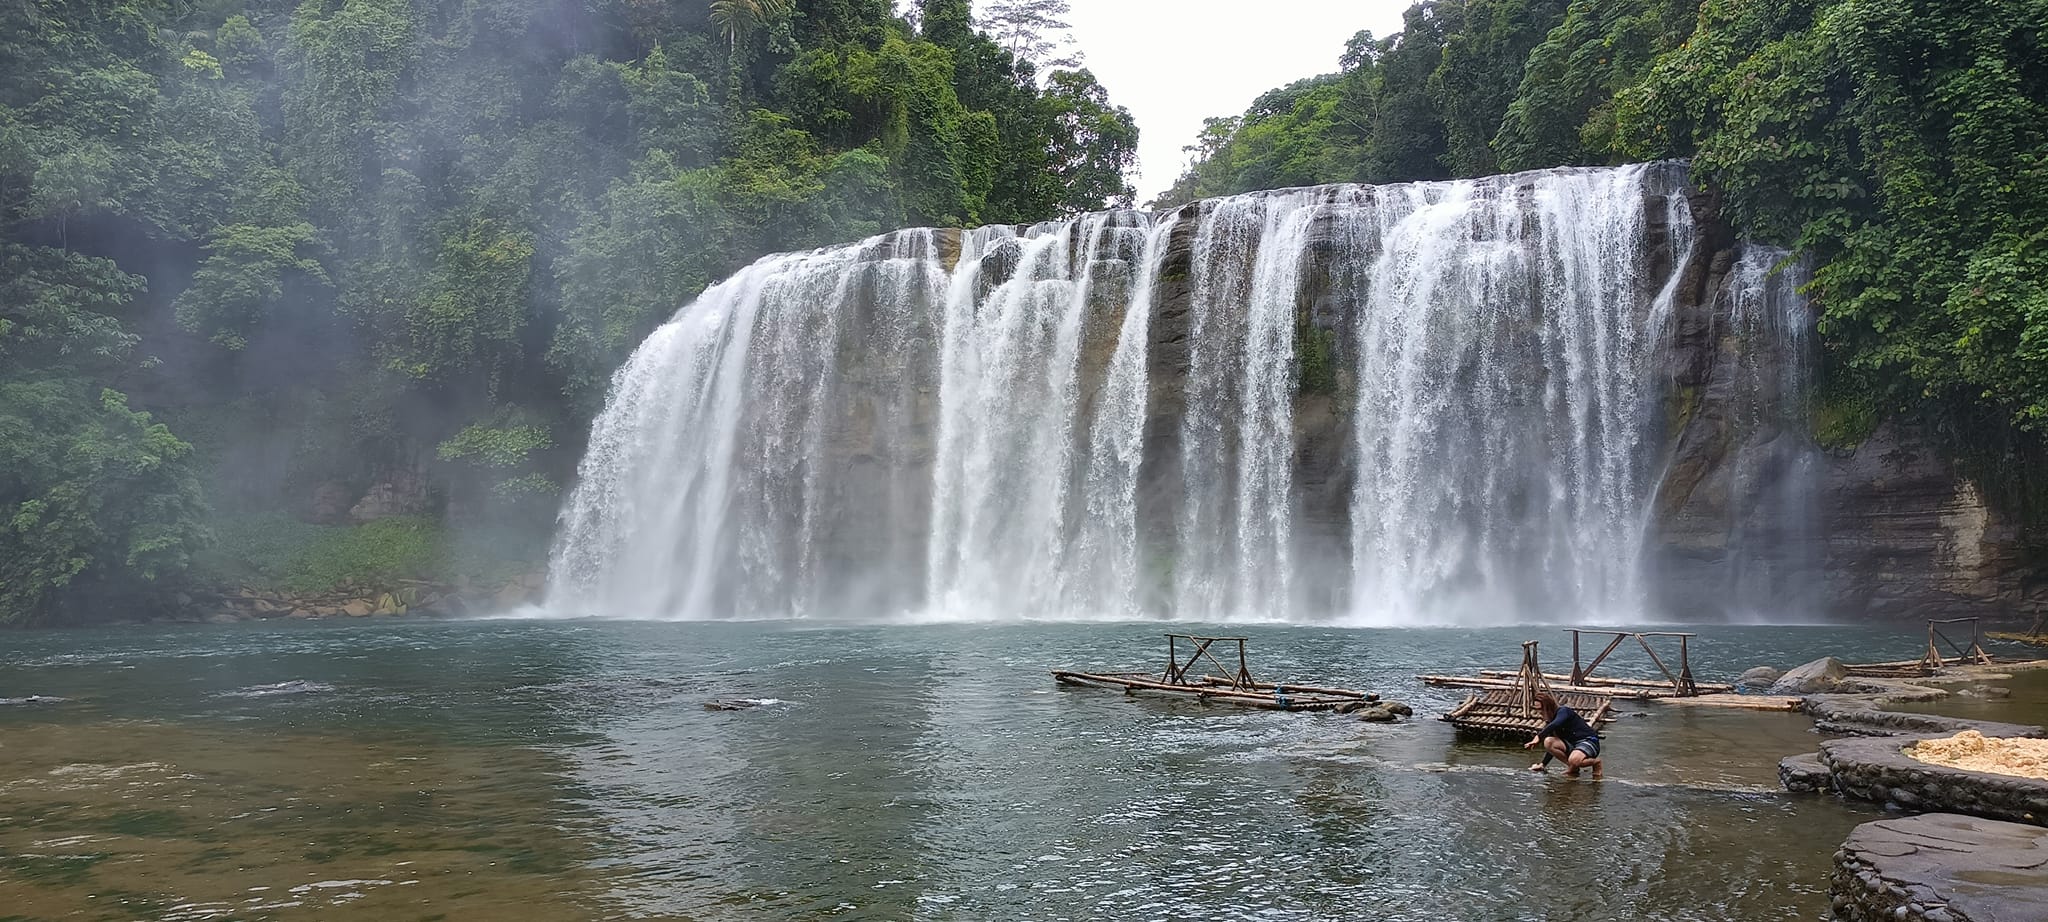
(1760, 677)
(737, 704)
(1385, 712)
(1985, 691)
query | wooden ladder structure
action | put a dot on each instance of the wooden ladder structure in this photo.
(1512, 711)
(1239, 679)
(1682, 683)
(1972, 652)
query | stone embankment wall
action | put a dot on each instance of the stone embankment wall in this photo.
(1940, 867)
(1877, 769)
(1977, 850)
(1871, 763)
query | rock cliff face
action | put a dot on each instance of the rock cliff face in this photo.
(1886, 530)
(1906, 536)
(1542, 396)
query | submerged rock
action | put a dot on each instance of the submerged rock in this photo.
(738, 704)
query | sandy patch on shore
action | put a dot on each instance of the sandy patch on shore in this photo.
(1973, 751)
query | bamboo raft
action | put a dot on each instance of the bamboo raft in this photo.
(1200, 675)
(1510, 709)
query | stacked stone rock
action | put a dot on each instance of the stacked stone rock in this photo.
(1977, 852)
(1940, 867)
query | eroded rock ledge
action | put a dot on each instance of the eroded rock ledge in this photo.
(1941, 867)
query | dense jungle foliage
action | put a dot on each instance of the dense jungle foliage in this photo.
(1901, 144)
(256, 255)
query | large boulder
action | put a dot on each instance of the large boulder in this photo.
(1818, 676)
(1759, 677)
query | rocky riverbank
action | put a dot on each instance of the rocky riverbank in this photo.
(1973, 849)
(404, 597)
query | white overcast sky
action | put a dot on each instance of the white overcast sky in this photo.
(1176, 62)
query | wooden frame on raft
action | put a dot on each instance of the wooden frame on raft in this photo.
(2033, 635)
(1512, 711)
(1932, 661)
(1678, 684)
(1221, 684)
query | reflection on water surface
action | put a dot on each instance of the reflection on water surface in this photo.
(560, 770)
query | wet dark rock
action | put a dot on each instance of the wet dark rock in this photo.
(1941, 867)
(1805, 774)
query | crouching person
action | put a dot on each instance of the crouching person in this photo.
(1566, 736)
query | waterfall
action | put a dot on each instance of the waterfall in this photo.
(1417, 403)
(1775, 544)
(1507, 367)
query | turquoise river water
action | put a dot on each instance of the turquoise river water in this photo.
(568, 770)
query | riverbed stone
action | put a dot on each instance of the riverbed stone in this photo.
(1940, 867)
(1818, 676)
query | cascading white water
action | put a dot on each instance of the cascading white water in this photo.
(1507, 372)
(1107, 417)
(1774, 544)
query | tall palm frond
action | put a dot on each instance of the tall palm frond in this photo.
(738, 19)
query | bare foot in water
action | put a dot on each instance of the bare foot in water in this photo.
(1599, 770)
(1571, 773)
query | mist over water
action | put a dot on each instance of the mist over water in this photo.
(1127, 415)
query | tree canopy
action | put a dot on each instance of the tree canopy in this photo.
(250, 248)
(1898, 145)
